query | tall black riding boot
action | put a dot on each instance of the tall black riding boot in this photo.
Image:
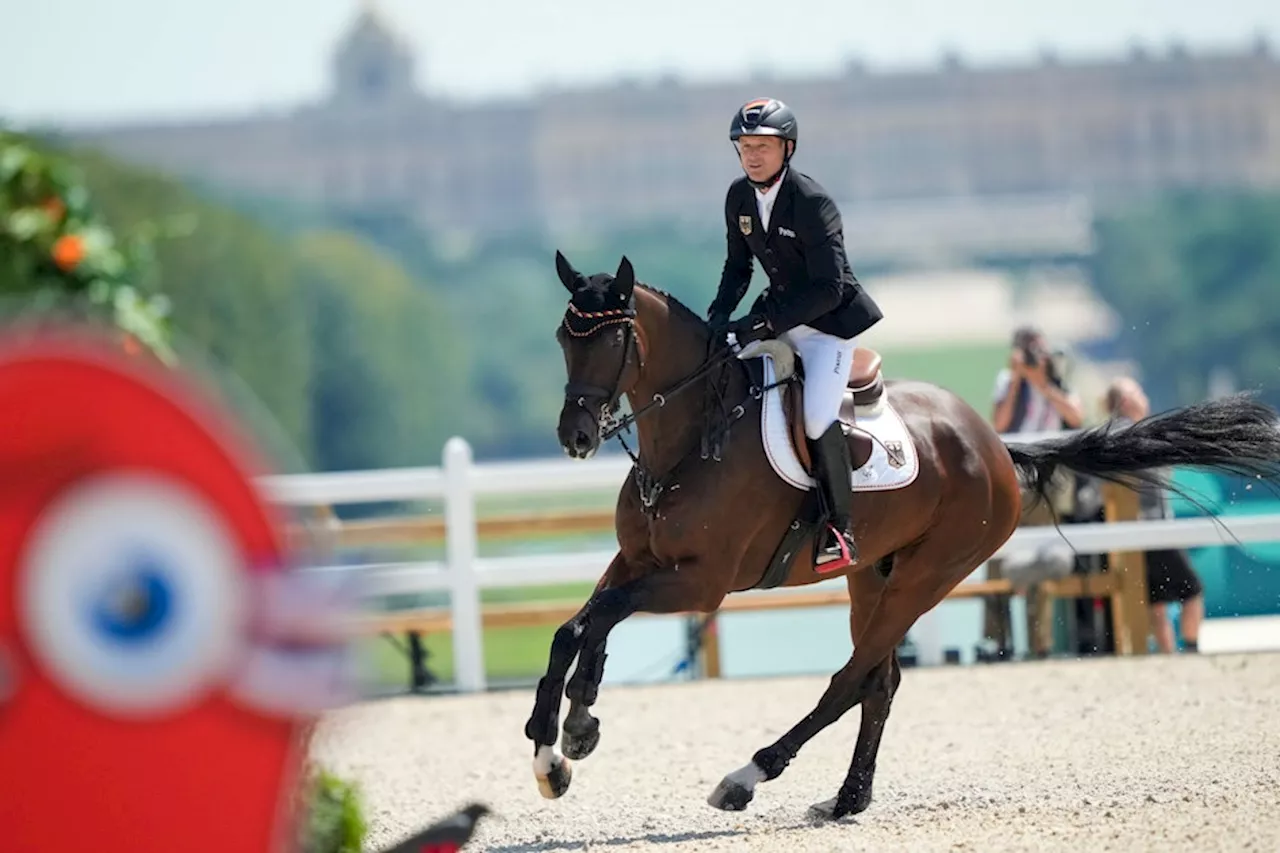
(831, 468)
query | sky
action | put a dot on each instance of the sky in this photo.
(88, 61)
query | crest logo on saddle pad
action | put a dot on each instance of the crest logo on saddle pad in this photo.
(744, 225)
(897, 456)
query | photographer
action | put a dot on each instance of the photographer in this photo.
(1031, 395)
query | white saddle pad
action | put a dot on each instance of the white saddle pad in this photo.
(894, 463)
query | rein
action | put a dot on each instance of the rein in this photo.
(660, 400)
(650, 487)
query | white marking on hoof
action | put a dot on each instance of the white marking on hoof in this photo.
(544, 759)
(552, 771)
(736, 790)
(748, 776)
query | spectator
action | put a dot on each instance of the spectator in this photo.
(1170, 577)
(1031, 395)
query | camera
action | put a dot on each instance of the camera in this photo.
(1025, 340)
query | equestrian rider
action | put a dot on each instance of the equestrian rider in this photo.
(786, 220)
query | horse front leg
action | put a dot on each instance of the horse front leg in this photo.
(551, 771)
(581, 730)
(664, 591)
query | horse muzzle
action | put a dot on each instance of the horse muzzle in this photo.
(578, 431)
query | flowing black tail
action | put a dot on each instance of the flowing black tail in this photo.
(1232, 435)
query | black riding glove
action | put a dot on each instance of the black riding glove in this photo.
(753, 327)
(719, 323)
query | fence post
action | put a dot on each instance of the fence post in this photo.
(460, 556)
(1129, 621)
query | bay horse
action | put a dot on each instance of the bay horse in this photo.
(704, 511)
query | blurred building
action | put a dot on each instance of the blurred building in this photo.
(953, 162)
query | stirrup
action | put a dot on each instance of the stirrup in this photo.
(843, 555)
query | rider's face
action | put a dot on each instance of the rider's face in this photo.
(761, 156)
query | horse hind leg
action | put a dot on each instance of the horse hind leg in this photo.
(737, 789)
(855, 793)
(924, 581)
(865, 589)
(920, 579)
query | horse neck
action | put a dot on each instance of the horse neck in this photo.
(674, 349)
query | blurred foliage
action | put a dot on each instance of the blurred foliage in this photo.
(332, 815)
(356, 362)
(386, 374)
(504, 302)
(59, 258)
(234, 289)
(1194, 276)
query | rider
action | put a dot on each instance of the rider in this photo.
(786, 220)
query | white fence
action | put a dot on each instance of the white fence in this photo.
(459, 481)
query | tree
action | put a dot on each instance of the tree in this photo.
(388, 384)
(1194, 277)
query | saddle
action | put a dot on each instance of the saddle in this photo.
(864, 391)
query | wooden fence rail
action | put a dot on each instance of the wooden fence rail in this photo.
(1124, 585)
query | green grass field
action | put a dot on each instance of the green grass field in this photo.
(969, 371)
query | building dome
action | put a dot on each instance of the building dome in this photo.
(373, 63)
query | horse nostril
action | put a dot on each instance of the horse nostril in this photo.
(582, 441)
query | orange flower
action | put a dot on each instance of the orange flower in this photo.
(131, 345)
(55, 207)
(68, 252)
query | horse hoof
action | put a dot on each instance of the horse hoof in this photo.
(730, 796)
(553, 772)
(578, 745)
(824, 811)
(841, 806)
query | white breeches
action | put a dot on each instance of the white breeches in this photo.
(827, 362)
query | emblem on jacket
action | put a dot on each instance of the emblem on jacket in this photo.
(744, 224)
(897, 458)
(786, 232)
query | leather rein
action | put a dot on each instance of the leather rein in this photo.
(582, 324)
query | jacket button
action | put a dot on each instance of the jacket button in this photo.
(773, 270)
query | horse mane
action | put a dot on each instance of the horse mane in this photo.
(675, 304)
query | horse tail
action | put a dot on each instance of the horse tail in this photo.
(1232, 435)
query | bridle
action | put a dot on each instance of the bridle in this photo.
(583, 324)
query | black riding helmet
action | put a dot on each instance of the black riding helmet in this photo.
(766, 117)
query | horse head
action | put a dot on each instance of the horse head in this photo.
(601, 353)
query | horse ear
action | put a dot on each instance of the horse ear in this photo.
(625, 279)
(569, 277)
